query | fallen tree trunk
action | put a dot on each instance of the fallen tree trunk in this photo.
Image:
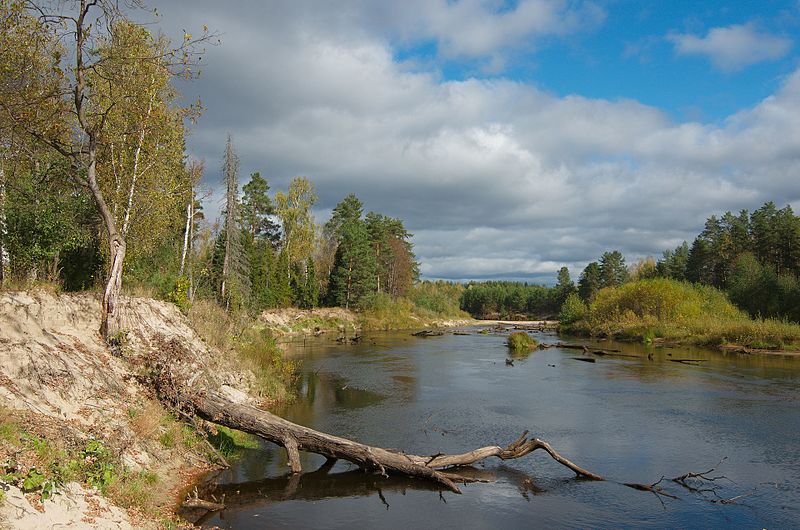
(218, 407)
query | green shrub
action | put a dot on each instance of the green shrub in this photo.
(664, 308)
(572, 310)
(442, 299)
(520, 342)
(179, 295)
(382, 312)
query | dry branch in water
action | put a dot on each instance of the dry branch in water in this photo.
(219, 408)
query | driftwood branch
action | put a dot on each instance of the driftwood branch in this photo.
(215, 406)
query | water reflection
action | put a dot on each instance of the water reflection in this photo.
(323, 483)
(633, 417)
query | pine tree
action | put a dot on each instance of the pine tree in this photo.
(673, 263)
(612, 269)
(698, 264)
(564, 287)
(589, 282)
(256, 211)
(280, 286)
(395, 265)
(262, 260)
(353, 276)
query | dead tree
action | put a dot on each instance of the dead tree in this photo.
(218, 407)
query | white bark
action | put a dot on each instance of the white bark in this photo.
(135, 173)
(186, 233)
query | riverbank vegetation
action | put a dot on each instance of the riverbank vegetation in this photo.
(656, 309)
(739, 282)
(752, 257)
(46, 458)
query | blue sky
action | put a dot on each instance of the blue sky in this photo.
(512, 138)
(629, 54)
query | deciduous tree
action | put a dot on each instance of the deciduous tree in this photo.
(297, 221)
(117, 89)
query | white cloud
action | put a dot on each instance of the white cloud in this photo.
(734, 47)
(494, 177)
(482, 28)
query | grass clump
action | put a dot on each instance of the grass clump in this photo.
(520, 342)
(257, 351)
(648, 310)
(153, 423)
(135, 489)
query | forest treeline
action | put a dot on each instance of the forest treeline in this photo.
(269, 251)
(752, 257)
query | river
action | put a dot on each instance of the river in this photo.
(629, 418)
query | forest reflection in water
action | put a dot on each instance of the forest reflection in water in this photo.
(633, 418)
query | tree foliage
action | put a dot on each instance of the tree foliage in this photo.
(510, 300)
(755, 257)
(103, 102)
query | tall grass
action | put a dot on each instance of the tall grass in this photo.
(247, 344)
(427, 303)
(382, 312)
(673, 310)
(440, 299)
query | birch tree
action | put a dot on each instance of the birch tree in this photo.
(294, 210)
(117, 76)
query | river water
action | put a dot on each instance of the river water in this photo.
(629, 418)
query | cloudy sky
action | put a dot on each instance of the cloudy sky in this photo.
(512, 137)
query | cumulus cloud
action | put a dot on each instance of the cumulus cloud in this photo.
(733, 48)
(495, 178)
(483, 28)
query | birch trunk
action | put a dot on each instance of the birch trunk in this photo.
(186, 234)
